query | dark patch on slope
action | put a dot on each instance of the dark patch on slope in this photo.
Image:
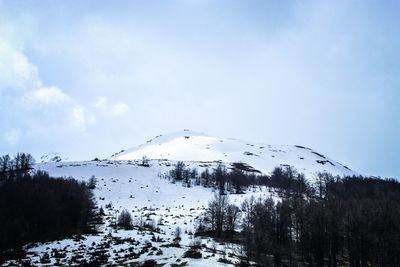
(318, 154)
(323, 162)
(247, 153)
(302, 147)
(244, 167)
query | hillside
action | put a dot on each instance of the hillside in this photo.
(198, 147)
(159, 206)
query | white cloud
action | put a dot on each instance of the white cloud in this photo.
(48, 96)
(120, 108)
(12, 136)
(81, 118)
(16, 70)
(100, 102)
(46, 108)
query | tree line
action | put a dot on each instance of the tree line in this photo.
(238, 177)
(234, 180)
(36, 207)
(350, 221)
(12, 167)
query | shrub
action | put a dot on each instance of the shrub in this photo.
(92, 182)
(149, 263)
(193, 253)
(224, 260)
(178, 233)
(195, 243)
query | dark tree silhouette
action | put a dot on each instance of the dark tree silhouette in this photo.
(37, 207)
(352, 221)
(125, 219)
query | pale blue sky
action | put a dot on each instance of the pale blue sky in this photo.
(88, 78)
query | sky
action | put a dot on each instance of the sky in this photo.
(89, 78)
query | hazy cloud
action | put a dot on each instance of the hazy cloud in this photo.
(80, 118)
(12, 136)
(120, 108)
(16, 70)
(48, 96)
(100, 102)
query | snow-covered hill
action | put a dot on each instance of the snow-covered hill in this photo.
(198, 147)
(123, 182)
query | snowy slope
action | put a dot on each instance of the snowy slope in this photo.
(146, 192)
(149, 196)
(192, 146)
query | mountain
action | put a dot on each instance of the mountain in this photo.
(192, 146)
(160, 206)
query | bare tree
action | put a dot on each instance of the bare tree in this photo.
(232, 215)
(216, 213)
(125, 219)
(178, 172)
(145, 161)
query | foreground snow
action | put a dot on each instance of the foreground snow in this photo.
(153, 200)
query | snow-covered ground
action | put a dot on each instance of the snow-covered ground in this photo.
(192, 146)
(152, 199)
(123, 183)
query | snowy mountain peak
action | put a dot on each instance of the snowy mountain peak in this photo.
(193, 146)
(52, 157)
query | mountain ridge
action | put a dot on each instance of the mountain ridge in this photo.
(194, 146)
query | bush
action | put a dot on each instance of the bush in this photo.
(149, 263)
(178, 233)
(145, 161)
(224, 260)
(195, 243)
(193, 253)
(92, 182)
(45, 259)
